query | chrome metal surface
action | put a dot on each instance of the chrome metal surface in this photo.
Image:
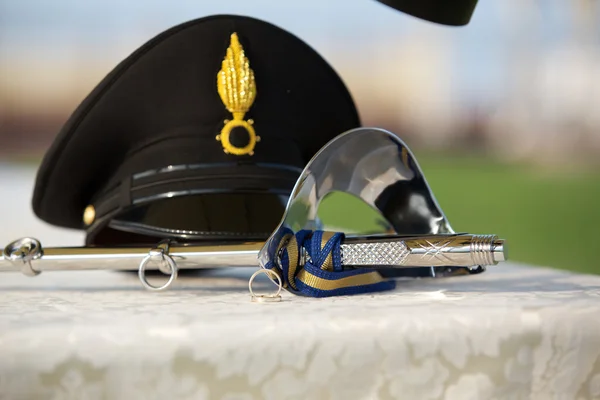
(129, 258)
(425, 251)
(375, 253)
(22, 252)
(377, 172)
(160, 253)
(441, 250)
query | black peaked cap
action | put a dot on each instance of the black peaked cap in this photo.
(152, 129)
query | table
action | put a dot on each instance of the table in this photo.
(513, 332)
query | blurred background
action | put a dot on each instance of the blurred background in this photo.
(502, 114)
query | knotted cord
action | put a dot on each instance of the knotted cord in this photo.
(310, 264)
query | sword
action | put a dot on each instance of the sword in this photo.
(28, 256)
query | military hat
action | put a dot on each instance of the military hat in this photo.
(454, 13)
(201, 133)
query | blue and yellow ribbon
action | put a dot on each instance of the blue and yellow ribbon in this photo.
(322, 273)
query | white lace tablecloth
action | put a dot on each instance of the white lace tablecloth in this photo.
(514, 332)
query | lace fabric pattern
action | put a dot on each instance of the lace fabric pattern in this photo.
(513, 332)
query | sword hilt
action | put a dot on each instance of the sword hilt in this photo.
(454, 250)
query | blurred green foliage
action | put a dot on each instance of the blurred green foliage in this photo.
(547, 215)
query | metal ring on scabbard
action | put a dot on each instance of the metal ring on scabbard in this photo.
(161, 251)
(265, 298)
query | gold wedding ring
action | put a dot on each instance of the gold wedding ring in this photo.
(265, 298)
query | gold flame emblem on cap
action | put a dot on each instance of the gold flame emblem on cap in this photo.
(237, 89)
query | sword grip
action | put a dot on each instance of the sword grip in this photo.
(454, 250)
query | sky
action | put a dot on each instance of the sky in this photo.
(43, 43)
(109, 29)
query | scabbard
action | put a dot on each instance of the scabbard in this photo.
(28, 252)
